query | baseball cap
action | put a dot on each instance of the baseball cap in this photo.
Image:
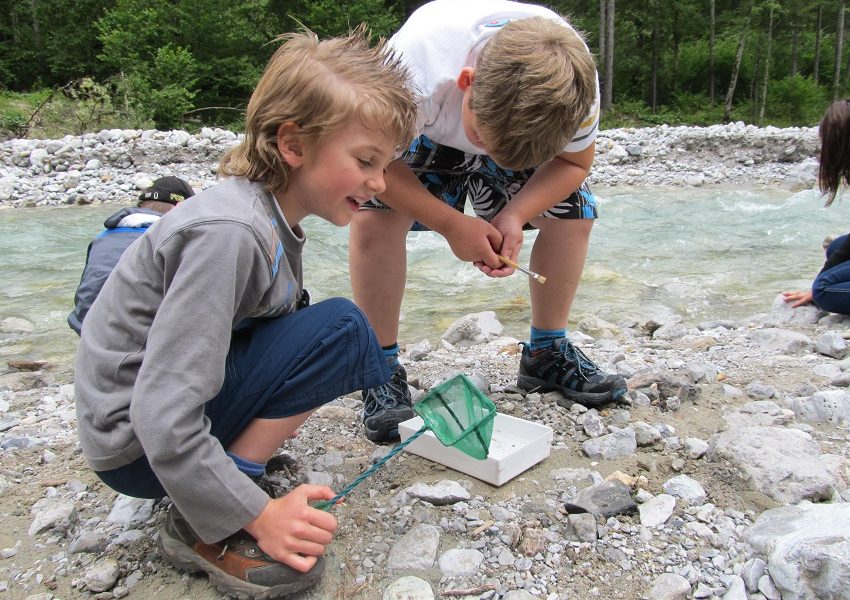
(167, 189)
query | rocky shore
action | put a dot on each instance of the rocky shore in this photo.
(112, 165)
(724, 473)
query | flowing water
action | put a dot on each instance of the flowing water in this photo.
(702, 253)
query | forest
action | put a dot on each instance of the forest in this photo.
(168, 64)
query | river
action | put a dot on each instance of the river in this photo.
(704, 253)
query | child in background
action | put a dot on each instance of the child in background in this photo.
(509, 111)
(194, 364)
(831, 288)
(122, 229)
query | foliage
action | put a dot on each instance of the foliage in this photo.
(162, 91)
(187, 63)
(77, 107)
(92, 101)
(15, 110)
(332, 17)
(796, 101)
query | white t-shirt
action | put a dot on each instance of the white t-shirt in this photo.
(444, 36)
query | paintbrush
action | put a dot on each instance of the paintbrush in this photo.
(539, 278)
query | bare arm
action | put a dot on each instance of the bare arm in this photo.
(551, 183)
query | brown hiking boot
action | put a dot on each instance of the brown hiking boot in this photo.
(235, 565)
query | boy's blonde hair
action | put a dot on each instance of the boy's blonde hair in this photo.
(534, 83)
(321, 86)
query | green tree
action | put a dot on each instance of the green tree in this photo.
(333, 17)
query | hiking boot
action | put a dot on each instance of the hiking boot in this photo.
(282, 474)
(385, 406)
(274, 486)
(235, 565)
(566, 369)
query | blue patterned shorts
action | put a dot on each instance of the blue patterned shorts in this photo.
(453, 176)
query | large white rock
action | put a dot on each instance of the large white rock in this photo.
(779, 462)
(688, 489)
(781, 341)
(443, 492)
(460, 562)
(826, 406)
(416, 549)
(781, 312)
(614, 445)
(474, 329)
(656, 511)
(50, 513)
(807, 548)
(669, 586)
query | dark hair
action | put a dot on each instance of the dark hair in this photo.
(156, 205)
(835, 149)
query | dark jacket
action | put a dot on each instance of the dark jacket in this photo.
(103, 254)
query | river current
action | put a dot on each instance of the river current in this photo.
(703, 253)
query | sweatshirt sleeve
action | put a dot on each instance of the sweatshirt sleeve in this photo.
(213, 275)
(839, 256)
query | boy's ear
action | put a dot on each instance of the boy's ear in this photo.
(289, 144)
(464, 80)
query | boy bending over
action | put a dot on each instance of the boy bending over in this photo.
(508, 118)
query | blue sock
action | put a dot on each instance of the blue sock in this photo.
(541, 339)
(249, 467)
(391, 355)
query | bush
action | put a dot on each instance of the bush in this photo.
(16, 109)
(797, 101)
(163, 91)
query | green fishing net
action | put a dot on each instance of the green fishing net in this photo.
(460, 415)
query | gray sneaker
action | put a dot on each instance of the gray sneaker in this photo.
(563, 367)
(236, 566)
(385, 406)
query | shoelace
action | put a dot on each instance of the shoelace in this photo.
(386, 395)
(582, 362)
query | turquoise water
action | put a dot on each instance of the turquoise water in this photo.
(704, 253)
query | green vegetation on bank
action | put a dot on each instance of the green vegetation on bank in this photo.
(94, 64)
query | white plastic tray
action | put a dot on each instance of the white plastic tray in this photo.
(517, 445)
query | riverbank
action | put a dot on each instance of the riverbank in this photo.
(113, 165)
(698, 485)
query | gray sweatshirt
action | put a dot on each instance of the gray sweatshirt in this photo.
(154, 344)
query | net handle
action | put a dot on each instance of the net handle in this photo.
(326, 505)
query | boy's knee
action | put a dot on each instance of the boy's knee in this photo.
(336, 305)
(343, 310)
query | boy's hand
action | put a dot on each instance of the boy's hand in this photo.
(293, 532)
(799, 298)
(474, 240)
(512, 236)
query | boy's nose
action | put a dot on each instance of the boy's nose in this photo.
(377, 184)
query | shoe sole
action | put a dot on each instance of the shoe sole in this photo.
(389, 431)
(186, 559)
(533, 384)
(381, 435)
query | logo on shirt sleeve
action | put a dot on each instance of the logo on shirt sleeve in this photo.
(497, 23)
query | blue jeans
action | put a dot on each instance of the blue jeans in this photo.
(831, 288)
(280, 368)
